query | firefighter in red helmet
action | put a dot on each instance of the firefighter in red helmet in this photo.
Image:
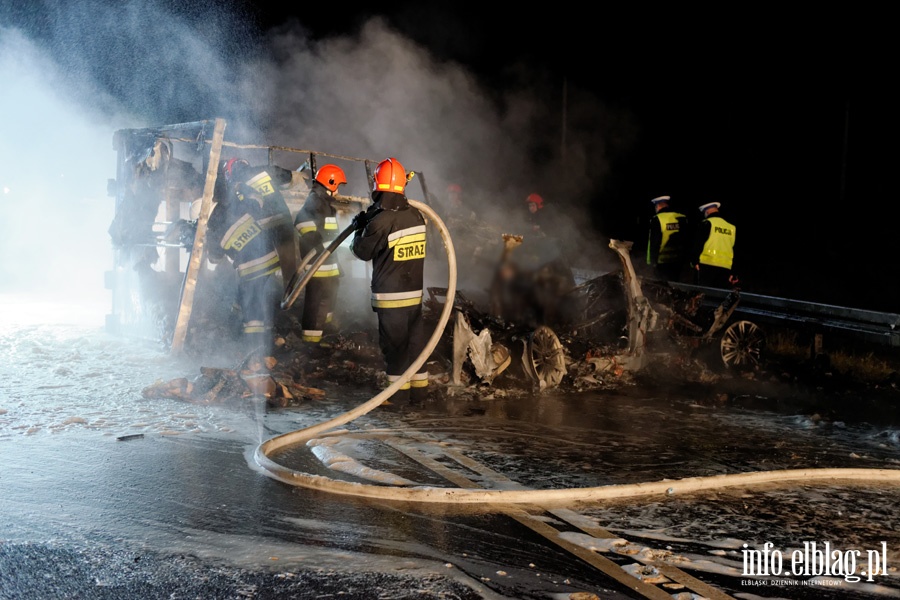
(231, 165)
(535, 205)
(392, 235)
(316, 224)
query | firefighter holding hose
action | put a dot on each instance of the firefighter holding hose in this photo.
(391, 233)
(316, 223)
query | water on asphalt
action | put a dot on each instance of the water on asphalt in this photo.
(181, 509)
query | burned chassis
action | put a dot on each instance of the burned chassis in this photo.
(610, 320)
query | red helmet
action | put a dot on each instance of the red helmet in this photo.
(454, 188)
(536, 199)
(331, 176)
(230, 165)
(390, 176)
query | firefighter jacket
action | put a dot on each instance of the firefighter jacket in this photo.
(715, 243)
(316, 223)
(234, 230)
(666, 243)
(394, 240)
(264, 184)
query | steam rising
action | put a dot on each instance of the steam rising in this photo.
(78, 72)
(55, 165)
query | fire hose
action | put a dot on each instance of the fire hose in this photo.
(298, 282)
(429, 494)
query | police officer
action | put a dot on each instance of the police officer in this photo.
(713, 255)
(316, 224)
(666, 240)
(391, 234)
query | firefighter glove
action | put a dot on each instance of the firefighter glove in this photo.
(359, 221)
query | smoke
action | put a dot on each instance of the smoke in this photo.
(376, 94)
(76, 72)
(54, 166)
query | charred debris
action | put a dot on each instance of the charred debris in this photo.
(536, 325)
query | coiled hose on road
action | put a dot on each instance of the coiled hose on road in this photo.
(505, 496)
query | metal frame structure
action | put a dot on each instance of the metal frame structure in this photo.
(144, 187)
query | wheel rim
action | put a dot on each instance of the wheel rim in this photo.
(742, 345)
(546, 357)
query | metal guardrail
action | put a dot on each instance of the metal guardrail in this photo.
(865, 325)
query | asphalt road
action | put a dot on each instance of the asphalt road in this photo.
(180, 510)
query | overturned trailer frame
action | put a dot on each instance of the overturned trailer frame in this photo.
(165, 177)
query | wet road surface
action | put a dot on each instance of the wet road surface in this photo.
(183, 511)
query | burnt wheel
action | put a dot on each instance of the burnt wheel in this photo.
(742, 345)
(544, 359)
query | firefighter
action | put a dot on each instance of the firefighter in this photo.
(713, 255)
(235, 231)
(665, 243)
(535, 204)
(391, 234)
(457, 210)
(264, 183)
(316, 224)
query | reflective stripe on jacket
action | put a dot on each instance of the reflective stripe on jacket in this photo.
(249, 246)
(317, 225)
(394, 240)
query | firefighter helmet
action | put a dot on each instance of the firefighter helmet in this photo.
(454, 188)
(390, 176)
(331, 176)
(536, 199)
(231, 164)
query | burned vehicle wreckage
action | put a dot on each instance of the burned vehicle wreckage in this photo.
(531, 329)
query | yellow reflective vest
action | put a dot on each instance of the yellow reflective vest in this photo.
(669, 249)
(718, 250)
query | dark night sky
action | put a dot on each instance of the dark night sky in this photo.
(785, 119)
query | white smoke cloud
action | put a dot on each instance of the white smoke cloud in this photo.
(54, 165)
(94, 67)
(378, 94)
